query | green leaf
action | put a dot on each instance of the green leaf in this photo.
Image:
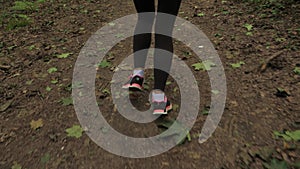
(45, 158)
(105, 91)
(237, 65)
(205, 111)
(74, 131)
(297, 70)
(54, 81)
(104, 63)
(205, 65)
(29, 82)
(276, 164)
(249, 33)
(283, 135)
(6, 105)
(200, 14)
(295, 135)
(64, 55)
(16, 166)
(18, 20)
(119, 35)
(48, 89)
(67, 101)
(40, 1)
(179, 132)
(52, 70)
(168, 82)
(31, 47)
(249, 27)
(215, 91)
(111, 24)
(24, 6)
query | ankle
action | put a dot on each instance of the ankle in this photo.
(139, 72)
(157, 91)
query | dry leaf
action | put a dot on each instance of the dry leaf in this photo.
(36, 124)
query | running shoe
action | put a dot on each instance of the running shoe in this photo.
(161, 107)
(134, 82)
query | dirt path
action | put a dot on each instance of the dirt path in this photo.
(262, 97)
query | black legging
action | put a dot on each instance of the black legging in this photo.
(143, 41)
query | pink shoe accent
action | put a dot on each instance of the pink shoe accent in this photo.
(136, 86)
(159, 112)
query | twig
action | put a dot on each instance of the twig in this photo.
(264, 65)
(4, 66)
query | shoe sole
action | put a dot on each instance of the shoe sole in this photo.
(133, 87)
(169, 108)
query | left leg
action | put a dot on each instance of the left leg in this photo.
(164, 24)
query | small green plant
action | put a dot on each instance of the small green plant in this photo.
(17, 17)
(74, 131)
(237, 65)
(25, 6)
(48, 89)
(31, 47)
(205, 65)
(104, 63)
(297, 70)
(249, 28)
(200, 14)
(52, 70)
(18, 20)
(64, 55)
(67, 101)
(55, 81)
(288, 135)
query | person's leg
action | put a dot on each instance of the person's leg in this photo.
(144, 23)
(164, 24)
(163, 53)
(141, 42)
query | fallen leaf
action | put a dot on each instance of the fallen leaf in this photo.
(205, 65)
(52, 70)
(104, 63)
(67, 101)
(297, 70)
(16, 166)
(282, 92)
(74, 131)
(215, 91)
(64, 55)
(36, 124)
(237, 65)
(6, 105)
(295, 135)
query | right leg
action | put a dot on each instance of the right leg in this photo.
(163, 58)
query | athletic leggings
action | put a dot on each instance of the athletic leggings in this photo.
(162, 60)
